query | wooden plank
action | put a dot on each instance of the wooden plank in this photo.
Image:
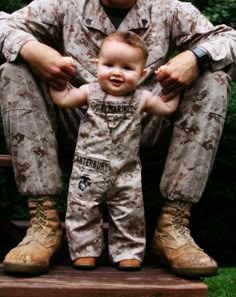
(5, 161)
(64, 281)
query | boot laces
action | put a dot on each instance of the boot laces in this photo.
(180, 221)
(40, 219)
(39, 230)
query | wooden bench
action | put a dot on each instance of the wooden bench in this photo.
(105, 281)
(5, 161)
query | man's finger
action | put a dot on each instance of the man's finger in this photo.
(161, 73)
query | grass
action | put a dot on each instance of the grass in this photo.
(222, 285)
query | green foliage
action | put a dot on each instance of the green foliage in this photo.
(200, 4)
(11, 5)
(231, 118)
(227, 153)
(221, 12)
(222, 285)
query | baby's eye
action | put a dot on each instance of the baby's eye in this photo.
(108, 65)
(127, 67)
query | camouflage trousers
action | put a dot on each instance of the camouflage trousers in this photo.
(35, 131)
(92, 184)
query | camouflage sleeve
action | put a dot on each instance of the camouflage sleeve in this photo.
(191, 28)
(40, 20)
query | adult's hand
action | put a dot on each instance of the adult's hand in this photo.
(177, 74)
(47, 64)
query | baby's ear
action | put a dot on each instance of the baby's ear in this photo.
(96, 61)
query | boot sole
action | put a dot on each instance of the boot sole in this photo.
(187, 271)
(195, 272)
(24, 269)
(84, 267)
(129, 268)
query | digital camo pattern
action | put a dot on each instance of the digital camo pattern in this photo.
(106, 168)
(32, 125)
(198, 127)
(28, 126)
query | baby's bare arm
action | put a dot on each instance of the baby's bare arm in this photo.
(155, 105)
(70, 98)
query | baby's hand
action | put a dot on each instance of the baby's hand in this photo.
(69, 60)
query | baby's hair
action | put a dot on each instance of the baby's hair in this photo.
(130, 38)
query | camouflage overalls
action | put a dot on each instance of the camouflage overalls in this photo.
(106, 168)
(34, 127)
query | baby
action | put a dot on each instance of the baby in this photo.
(106, 165)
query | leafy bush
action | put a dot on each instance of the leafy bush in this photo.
(222, 285)
(12, 5)
(221, 12)
(200, 4)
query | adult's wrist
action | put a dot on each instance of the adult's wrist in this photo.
(203, 59)
(27, 48)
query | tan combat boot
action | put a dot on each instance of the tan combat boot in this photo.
(175, 246)
(43, 239)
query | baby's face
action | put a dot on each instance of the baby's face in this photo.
(120, 67)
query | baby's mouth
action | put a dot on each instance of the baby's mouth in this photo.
(116, 82)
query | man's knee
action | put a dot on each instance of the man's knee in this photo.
(12, 70)
(209, 94)
(15, 79)
(20, 90)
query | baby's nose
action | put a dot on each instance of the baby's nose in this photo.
(116, 71)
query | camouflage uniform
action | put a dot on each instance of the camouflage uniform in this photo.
(33, 125)
(106, 168)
